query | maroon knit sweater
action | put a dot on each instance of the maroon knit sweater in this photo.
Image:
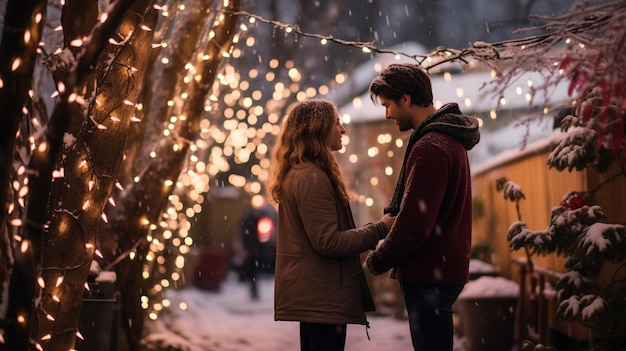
(430, 240)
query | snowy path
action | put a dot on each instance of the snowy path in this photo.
(229, 321)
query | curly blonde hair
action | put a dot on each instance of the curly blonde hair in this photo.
(305, 138)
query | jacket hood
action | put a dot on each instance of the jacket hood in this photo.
(451, 121)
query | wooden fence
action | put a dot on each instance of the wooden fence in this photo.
(544, 188)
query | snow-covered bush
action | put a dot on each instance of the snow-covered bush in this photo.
(579, 231)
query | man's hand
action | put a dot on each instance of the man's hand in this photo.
(368, 264)
(388, 220)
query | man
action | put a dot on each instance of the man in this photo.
(428, 246)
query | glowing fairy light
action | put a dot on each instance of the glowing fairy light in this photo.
(78, 99)
(17, 63)
(144, 221)
(24, 246)
(73, 97)
(59, 281)
(76, 43)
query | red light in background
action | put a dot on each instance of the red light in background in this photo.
(265, 228)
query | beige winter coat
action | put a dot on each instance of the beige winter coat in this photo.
(318, 276)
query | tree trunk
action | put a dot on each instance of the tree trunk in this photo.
(141, 204)
(18, 269)
(183, 38)
(91, 155)
(14, 85)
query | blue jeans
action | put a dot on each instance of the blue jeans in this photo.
(429, 308)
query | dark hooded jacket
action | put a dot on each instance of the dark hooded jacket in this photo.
(430, 240)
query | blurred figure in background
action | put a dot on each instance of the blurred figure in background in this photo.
(258, 229)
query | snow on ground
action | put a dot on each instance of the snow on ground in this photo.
(490, 287)
(229, 320)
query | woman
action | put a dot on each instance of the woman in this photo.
(318, 276)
